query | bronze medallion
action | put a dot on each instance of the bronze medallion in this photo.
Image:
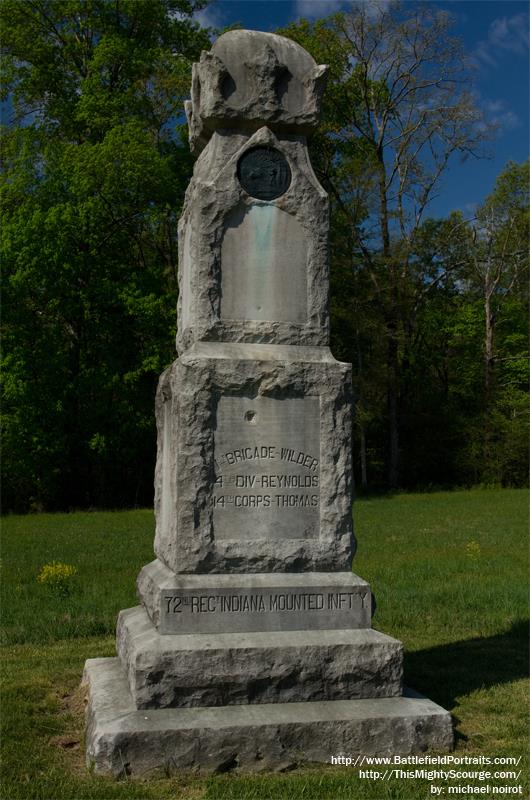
(264, 173)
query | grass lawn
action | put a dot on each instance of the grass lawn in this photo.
(450, 574)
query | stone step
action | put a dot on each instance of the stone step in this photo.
(269, 667)
(254, 602)
(122, 740)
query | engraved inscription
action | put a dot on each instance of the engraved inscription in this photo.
(270, 609)
(261, 602)
(267, 468)
(264, 173)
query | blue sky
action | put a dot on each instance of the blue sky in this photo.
(495, 34)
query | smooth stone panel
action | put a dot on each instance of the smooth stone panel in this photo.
(263, 265)
(211, 669)
(122, 740)
(260, 602)
(267, 468)
(252, 351)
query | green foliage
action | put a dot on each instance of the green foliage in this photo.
(431, 313)
(94, 177)
(408, 292)
(496, 273)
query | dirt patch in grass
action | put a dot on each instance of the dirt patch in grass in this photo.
(71, 710)
(75, 702)
(66, 742)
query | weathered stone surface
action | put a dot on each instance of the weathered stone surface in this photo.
(249, 79)
(122, 740)
(264, 259)
(264, 657)
(213, 669)
(213, 412)
(253, 270)
(259, 602)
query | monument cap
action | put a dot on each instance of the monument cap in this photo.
(250, 79)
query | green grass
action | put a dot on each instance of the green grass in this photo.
(450, 574)
(107, 549)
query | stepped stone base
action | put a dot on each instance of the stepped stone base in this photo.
(221, 669)
(122, 740)
(254, 602)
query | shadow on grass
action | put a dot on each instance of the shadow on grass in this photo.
(449, 671)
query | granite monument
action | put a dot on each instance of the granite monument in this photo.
(253, 646)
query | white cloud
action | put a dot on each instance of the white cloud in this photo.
(493, 106)
(505, 35)
(323, 8)
(210, 17)
(510, 33)
(507, 120)
(376, 7)
(498, 114)
(317, 8)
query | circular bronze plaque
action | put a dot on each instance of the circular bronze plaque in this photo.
(264, 173)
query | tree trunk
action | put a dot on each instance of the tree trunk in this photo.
(364, 471)
(362, 433)
(393, 419)
(488, 348)
(489, 367)
(392, 330)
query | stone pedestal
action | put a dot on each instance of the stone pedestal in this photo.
(219, 669)
(122, 740)
(252, 646)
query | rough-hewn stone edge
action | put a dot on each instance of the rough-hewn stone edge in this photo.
(167, 579)
(212, 195)
(216, 669)
(123, 741)
(185, 408)
(209, 108)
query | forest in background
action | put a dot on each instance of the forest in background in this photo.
(432, 313)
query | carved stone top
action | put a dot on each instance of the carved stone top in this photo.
(250, 79)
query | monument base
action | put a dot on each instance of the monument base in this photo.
(122, 740)
(221, 669)
(278, 601)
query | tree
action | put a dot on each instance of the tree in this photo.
(94, 173)
(498, 271)
(399, 109)
(470, 355)
(500, 252)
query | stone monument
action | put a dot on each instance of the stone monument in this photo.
(253, 646)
